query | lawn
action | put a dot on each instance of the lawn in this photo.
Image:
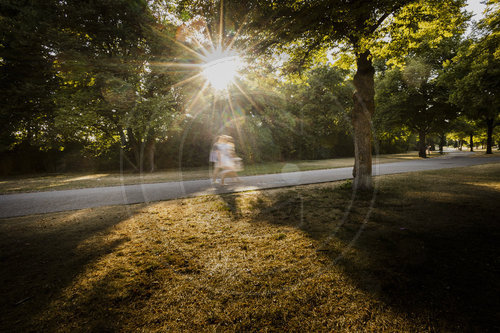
(419, 254)
(50, 182)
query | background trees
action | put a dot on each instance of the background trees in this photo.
(27, 78)
(413, 96)
(474, 75)
(89, 76)
(321, 104)
(307, 30)
(87, 85)
(108, 68)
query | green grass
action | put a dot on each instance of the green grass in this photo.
(420, 254)
(66, 181)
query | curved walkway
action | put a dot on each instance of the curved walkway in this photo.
(55, 201)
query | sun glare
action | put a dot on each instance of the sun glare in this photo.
(221, 68)
(216, 65)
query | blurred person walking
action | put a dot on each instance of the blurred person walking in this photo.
(215, 158)
(228, 163)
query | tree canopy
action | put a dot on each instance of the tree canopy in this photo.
(309, 29)
(123, 80)
(474, 74)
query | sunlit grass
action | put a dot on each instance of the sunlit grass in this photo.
(88, 177)
(277, 260)
(481, 152)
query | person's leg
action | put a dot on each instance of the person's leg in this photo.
(215, 174)
(223, 175)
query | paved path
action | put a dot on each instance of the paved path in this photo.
(44, 202)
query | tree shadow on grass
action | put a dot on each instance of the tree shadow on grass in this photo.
(231, 204)
(43, 255)
(426, 248)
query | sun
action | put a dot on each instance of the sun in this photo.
(216, 63)
(220, 68)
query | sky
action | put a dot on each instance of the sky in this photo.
(476, 7)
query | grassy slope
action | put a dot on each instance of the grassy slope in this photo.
(420, 255)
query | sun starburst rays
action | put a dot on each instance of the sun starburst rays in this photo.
(214, 57)
(214, 68)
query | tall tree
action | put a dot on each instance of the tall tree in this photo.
(110, 61)
(475, 73)
(462, 129)
(321, 104)
(27, 79)
(306, 29)
(415, 100)
(412, 93)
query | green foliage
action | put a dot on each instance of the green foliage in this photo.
(474, 74)
(421, 27)
(90, 78)
(321, 105)
(27, 79)
(79, 74)
(463, 128)
(411, 97)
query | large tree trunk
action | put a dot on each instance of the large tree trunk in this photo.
(123, 152)
(442, 142)
(422, 146)
(135, 146)
(364, 106)
(489, 138)
(471, 142)
(150, 154)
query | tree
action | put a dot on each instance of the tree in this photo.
(87, 73)
(321, 104)
(27, 79)
(462, 129)
(115, 88)
(411, 93)
(474, 74)
(414, 98)
(308, 29)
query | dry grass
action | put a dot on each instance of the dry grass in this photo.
(481, 152)
(51, 182)
(419, 255)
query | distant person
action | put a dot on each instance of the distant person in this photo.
(227, 161)
(215, 158)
